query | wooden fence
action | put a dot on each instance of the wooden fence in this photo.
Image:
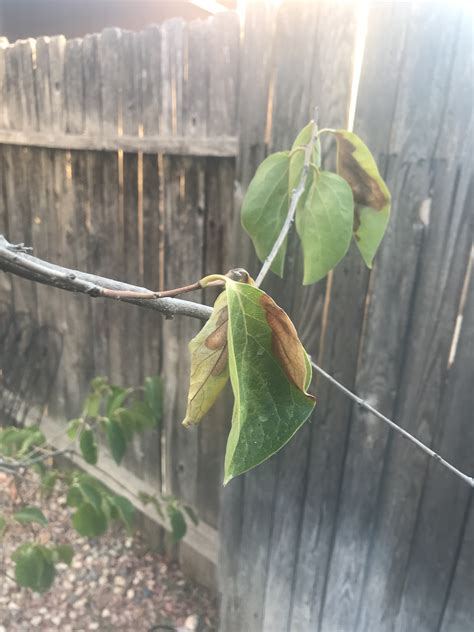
(119, 154)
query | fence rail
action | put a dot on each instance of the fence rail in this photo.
(119, 154)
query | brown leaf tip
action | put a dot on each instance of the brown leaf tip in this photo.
(366, 190)
(286, 345)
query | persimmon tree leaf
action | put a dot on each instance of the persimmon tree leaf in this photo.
(30, 514)
(116, 439)
(88, 446)
(324, 224)
(34, 567)
(269, 373)
(356, 164)
(89, 521)
(209, 364)
(265, 207)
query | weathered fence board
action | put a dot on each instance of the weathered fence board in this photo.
(119, 154)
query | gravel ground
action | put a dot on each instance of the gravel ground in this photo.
(114, 582)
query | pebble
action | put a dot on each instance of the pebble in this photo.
(13, 606)
(79, 590)
(3, 628)
(120, 581)
(130, 593)
(36, 621)
(103, 579)
(105, 614)
(80, 603)
(191, 622)
(93, 626)
(43, 610)
(56, 620)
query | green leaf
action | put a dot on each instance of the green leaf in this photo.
(63, 553)
(154, 397)
(269, 372)
(34, 568)
(191, 514)
(74, 496)
(89, 521)
(90, 492)
(116, 440)
(265, 207)
(136, 418)
(125, 510)
(116, 399)
(3, 525)
(88, 446)
(209, 363)
(151, 500)
(356, 164)
(73, 428)
(92, 404)
(324, 224)
(177, 522)
(30, 514)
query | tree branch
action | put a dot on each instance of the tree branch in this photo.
(16, 260)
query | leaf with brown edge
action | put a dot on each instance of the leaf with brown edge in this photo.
(357, 166)
(269, 372)
(209, 363)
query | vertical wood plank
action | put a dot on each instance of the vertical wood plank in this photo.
(436, 555)
(329, 67)
(183, 227)
(113, 264)
(78, 348)
(393, 283)
(445, 254)
(253, 94)
(222, 38)
(21, 114)
(152, 234)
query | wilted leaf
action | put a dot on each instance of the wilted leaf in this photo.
(88, 446)
(89, 521)
(265, 207)
(116, 440)
(30, 514)
(356, 164)
(34, 568)
(209, 365)
(269, 374)
(324, 224)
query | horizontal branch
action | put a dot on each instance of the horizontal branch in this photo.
(16, 260)
(219, 146)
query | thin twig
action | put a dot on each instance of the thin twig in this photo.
(363, 404)
(295, 196)
(15, 259)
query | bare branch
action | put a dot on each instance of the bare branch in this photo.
(16, 260)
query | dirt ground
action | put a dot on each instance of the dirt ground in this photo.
(114, 582)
